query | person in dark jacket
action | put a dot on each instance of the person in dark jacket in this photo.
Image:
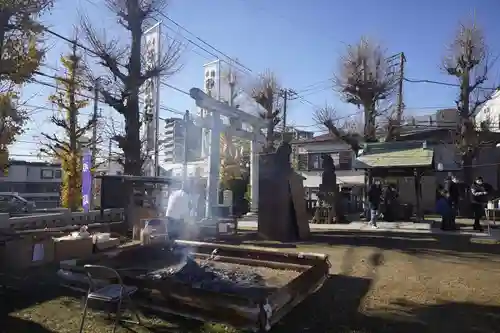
(453, 195)
(443, 208)
(374, 198)
(390, 195)
(480, 192)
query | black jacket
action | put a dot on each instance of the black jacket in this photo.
(480, 193)
(374, 194)
(453, 189)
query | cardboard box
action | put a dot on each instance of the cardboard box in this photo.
(107, 244)
(20, 253)
(70, 248)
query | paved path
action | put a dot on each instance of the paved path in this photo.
(403, 227)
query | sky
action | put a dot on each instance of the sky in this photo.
(300, 41)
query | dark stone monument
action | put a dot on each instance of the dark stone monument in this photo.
(282, 206)
(329, 194)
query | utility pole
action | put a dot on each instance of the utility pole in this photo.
(94, 116)
(186, 147)
(286, 94)
(94, 134)
(285, 99)
(400, 106)
(110, 146)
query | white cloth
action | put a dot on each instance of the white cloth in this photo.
(178, 205)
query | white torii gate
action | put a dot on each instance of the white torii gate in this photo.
(213, 122)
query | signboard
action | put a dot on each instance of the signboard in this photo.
(86, 180)
(151, 96)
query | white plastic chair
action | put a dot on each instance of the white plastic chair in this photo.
(115, 293)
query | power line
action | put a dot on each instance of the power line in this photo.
(205, 43)
(445, 84)
(232, 60)
(47, 84)
(71, 41)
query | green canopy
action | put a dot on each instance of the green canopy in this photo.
(403, 154)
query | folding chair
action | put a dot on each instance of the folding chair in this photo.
(112, 294)
(490, 222)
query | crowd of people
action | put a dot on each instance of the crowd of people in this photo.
(452, 192)
(383, 199)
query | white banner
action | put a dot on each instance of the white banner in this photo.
(151, 99)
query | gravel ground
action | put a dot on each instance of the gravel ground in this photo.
(379, 283)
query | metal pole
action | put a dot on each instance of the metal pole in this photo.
(94, 133)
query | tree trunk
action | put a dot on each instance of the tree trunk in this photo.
(73, 182)
(270, 132)
(72, 118)
(132, 147)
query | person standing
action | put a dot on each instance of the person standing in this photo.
(443, 208)
(452, 189)
(178, 212)
(390, 196)
(480, 192)
(374, 194)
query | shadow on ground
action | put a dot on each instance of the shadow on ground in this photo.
(411, 243)
(18, 325)
(335, 309)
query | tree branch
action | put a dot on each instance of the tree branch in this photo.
(325, 117)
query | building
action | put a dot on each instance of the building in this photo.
(439, 130)
(291, 134)
(35, 181)
(299, 134)
(173, 141)
(488, 115)
(307, 158)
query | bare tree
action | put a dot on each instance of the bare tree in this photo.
(468, 60)
(266, 93)
(114, 129)
(366, 80)
(340, 129)
(128, 68)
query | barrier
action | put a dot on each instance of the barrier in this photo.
(61, 219)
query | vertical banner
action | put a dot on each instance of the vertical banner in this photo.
(86, 180)
(151, 98)
(212, 88)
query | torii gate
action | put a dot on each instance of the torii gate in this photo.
(213, 122)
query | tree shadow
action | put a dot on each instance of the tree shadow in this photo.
(11, 324)
(30, 293)
(412, 243)
(388, 240)
(463, 316)
(335, 308)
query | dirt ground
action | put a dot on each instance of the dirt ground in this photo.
(379, 282)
